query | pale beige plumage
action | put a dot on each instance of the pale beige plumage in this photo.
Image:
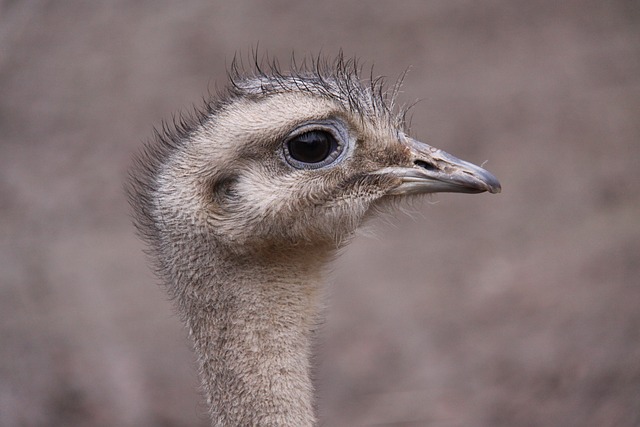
(244, 205)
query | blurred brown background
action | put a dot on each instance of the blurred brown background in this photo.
(521, 309)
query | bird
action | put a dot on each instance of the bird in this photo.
(245, 202)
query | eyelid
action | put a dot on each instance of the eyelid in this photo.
(335, 128)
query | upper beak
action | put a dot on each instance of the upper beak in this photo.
(436, 171)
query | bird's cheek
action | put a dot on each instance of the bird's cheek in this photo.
(355, 196)
(378, 185)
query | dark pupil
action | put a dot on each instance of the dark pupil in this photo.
(311, 147)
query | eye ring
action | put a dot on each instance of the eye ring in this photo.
(314, 146)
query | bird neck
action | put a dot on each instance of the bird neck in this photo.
(252, 324)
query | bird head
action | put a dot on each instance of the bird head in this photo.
(295, 160)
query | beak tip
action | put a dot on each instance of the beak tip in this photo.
(494, 186)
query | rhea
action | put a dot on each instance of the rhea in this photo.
(245, 204)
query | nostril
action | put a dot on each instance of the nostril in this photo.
(425, 165)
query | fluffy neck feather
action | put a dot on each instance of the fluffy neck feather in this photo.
(251, 320)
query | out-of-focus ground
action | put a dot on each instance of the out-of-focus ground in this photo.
(521, 309)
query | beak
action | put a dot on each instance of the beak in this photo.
(435, 171)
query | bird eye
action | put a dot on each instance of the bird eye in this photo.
(312, 149)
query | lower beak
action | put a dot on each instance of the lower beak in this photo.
(436, 171)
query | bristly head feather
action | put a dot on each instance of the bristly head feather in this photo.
(337, 79)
